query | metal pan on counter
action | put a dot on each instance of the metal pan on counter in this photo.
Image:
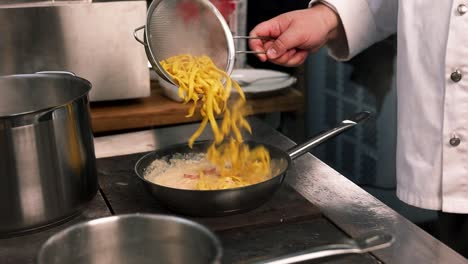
(234, 200)
(150, 238)
(132, 238)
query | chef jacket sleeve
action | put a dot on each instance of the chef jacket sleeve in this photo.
(365, 22)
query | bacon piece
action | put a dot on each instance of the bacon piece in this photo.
(210, 170)
(192, 176)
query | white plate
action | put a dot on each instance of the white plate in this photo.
(279, 80)
(169, 89)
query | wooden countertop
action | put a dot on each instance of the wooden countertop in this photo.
(158, 110)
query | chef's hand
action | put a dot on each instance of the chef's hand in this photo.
(295, 34)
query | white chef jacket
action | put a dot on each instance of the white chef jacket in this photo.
(432, 91)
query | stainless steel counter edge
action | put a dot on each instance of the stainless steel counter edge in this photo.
(347, 205)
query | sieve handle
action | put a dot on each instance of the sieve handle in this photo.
(252, 37)
(135, 35)
(249, 51)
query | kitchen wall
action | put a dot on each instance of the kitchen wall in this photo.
(81, 38)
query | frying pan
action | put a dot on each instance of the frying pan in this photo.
(234, 200)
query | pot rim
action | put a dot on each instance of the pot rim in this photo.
(180, 220)
(86, 83)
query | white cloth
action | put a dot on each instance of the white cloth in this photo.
(432, 108)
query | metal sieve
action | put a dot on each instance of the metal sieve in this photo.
(196, 27)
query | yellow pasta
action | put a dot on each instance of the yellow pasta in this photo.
(200, 80)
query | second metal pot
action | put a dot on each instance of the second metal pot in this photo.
(47, 161)
(133, 238)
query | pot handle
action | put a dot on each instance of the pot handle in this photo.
(56, 72)
(365, 243)
(317, 140)
(135, 35)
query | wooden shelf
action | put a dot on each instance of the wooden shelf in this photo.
(158, 110)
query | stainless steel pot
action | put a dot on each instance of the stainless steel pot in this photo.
(133, 238)
(47, 161)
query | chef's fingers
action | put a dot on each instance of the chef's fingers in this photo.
(292, 58)
(290, 39)
(285, 37)
(266, 29)
(298, 58)
(283, 59)
(258, 46)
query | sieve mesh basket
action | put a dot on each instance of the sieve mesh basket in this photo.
(196, 27)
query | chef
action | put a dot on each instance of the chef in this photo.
(432, 87)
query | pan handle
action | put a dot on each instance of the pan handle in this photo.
(299, 150)
(365, 243)
(251, 51)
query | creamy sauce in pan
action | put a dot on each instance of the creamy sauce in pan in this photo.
(182, 171)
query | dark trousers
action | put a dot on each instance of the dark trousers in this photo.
(452, 230)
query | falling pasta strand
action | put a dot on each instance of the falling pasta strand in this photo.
(200, 81)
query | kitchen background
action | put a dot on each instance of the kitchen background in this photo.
(333, 90)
